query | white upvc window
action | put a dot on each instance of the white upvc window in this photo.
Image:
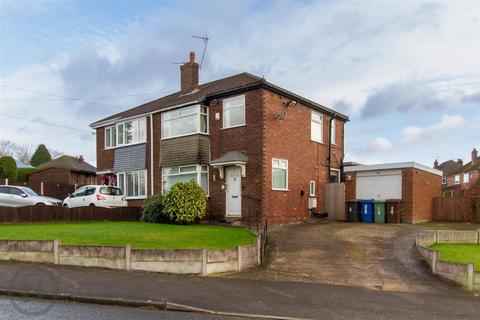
(457, 179)
(317, 127)
(184, 121)
(333, 132)
(131, 132)
(312, 188)
(466, 178)
(110, 137)
(444, 180)
(234, 112)
(133, 184)
(279, 174)
(196, 172)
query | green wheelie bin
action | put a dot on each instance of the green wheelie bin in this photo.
(379, 211)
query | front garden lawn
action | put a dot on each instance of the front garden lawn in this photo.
(138, 234)
(461, 253)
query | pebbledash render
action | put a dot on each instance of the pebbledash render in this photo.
(256, 149)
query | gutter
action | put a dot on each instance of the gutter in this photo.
(330, 145)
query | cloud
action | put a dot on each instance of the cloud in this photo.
(434, 132)
(380, 144)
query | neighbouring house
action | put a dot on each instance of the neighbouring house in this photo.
(255, 148)
(74, 171)
(415, 185)
(458, 176)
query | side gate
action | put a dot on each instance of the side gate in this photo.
(334, 201)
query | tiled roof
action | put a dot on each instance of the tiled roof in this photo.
(70, 163)
(449, 167)
(208, 90)
(469, 167)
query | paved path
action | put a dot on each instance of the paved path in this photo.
(30, 309)
(372, 256)
(295, 299)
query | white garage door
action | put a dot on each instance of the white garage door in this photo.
(379, 185)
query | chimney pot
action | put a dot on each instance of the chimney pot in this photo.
(80, 158)
(435, 164)
(192, 56)
(460, 161)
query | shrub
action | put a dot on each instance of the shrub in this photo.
(185, 203)
(153, 210)
(23, 173)
(8, 168)
(41, 155)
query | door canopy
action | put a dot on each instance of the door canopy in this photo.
(231, 158)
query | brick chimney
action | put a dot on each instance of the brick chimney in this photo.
(189, 74)
(80, 159)
(460, 161)
(435, 164)
(474, 155)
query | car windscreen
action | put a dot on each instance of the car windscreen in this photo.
(29, 191)
(111, 191)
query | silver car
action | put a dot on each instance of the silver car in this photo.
(18, 196)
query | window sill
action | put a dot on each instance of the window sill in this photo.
(316, 141)
(237, 126)
(185, 135)
(136, 198)
(274, 189)
(126, 145)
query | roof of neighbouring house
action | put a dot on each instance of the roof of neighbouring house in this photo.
(68, 162)
(20, 164)
(469, 167)
(449, 167)
(388, 166)
(211, 90)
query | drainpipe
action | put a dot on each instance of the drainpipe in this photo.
(151, 155)
(330, 144)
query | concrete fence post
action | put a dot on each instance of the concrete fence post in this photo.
(239, 258)
(436, 236)
(478, 236)
(56, 253)
(6, 181)
(470, 270)
(41, 188)
(204, 261)
(128, 257)
(259, 250)
(434, 261)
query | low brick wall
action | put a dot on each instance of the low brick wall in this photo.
(182, 261)
(461, 273)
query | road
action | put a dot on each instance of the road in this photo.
(23, 309)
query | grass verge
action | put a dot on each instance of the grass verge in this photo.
(461, 253)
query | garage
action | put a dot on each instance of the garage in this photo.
(411, 183)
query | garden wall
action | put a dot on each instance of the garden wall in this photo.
(464, 274)
(183, 261)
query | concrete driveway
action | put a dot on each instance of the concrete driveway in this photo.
(372, 256)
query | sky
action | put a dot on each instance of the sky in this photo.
(406, 72)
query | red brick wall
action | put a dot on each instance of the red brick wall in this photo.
(245, 139)
(290, 139)
(350, 186)
(105, 158)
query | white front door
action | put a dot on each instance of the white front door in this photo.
(234, 191)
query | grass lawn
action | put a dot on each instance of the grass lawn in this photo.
(138, 234)
(448, 226)
(461, 253)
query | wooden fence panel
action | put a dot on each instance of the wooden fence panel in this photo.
(52, 213)
(334, 201)
(453, 210)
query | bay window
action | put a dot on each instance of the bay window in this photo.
(184, 121)
(133, 184)
(234, 112)
(196, 172)
(279, 174)
(131, 132)
(110, 137)
(317, 127)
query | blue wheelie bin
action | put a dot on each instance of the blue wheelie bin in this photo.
(366, 210)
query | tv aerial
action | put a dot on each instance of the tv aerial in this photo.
(205, 42)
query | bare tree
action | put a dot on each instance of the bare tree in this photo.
(55, 153)
(7, 148)
(22, 152)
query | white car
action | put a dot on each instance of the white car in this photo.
(19, 196)
(96, 195)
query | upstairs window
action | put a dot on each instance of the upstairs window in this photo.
(466, 178)
(444, 180)
(184, 121)
(131, 132)
(279, 174)
(457, 179)
(317, 127)
(110, 137)
(333, 132)
(234, 112)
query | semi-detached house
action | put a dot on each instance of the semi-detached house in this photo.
(256, 149)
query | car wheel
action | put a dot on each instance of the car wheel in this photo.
(40, 204)
(91, 205)
(65, 205)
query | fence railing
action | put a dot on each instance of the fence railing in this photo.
(53, 213)
(456, 210)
